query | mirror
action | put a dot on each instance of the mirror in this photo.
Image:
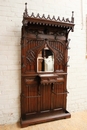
(45, 60)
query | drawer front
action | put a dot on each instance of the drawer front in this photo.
(30, 81)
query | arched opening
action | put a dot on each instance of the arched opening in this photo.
(45, 60)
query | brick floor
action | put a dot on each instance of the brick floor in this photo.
(78, 121)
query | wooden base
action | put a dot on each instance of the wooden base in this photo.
(44, 117)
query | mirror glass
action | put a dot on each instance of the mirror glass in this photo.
(45, 60)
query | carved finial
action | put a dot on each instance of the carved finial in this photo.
(67, 20)
(63, 19)
(26, 7)
(72, 18)
(48, 17)
(32, 15)
(43, 16)
(26, 12)
(72, 13)
(58, 18)
(53, 18)
(38, 16)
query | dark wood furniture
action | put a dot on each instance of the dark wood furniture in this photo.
(44, 57)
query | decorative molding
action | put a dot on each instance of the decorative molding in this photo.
(38, 32)
(48, 17)
(47, 21)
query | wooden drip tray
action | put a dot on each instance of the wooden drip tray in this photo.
(45, 117)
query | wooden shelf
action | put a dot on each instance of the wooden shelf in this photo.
(44, 117)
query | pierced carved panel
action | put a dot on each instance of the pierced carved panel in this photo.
(60, 58)
(31, 47)
(59, 49)
(30, 56)
(32, 50)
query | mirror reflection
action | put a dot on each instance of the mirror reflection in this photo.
(45, 60)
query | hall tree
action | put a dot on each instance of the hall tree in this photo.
(44, 56)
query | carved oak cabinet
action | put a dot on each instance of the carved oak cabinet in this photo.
(44, 57)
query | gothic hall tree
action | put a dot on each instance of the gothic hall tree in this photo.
(44, 61)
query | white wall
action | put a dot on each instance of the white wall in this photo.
(10, 53)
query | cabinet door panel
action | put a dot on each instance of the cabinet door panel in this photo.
(45, 97)
(30, 99)
(58, 98)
